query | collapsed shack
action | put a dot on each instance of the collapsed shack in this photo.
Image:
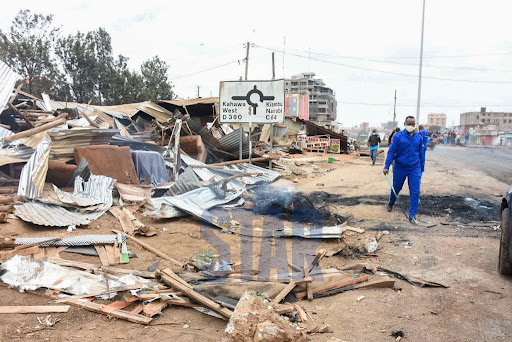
(65, 165)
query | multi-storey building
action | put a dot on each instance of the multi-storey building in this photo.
(494, 125)
(483, 120)
(322, 102)
(436, 119)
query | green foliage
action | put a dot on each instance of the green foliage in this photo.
(154, 74)
(87, 68)
(28, 49)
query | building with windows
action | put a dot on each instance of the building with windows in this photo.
(322, 102)
(436, 119)
(494, 125)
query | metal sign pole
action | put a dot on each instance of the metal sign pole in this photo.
(241, 140)
(271, 145)
(250, 140)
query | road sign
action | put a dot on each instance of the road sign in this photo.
(258, 102)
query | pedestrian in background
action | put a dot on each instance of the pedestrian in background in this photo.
(484, 140)
(374, 141)
(466, 139)
(424, 134)
(390, 139)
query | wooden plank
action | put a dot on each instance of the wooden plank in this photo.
(111, 255)
(137, 309)
(121, 314)
(126, 222)
(309, 291)
(94, 267)
(302, 315)
(117, 305)
(154, 308)
(34, 309)
(98, 308)
(24, 251)
(99, 293)
(280, 296)
(179, 302)
(383, 283)
(53, 252)
(334, 285)
(353, 229)
(102, 253)
(151, 249)
(226, 313)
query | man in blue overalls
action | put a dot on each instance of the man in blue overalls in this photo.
(406, 151)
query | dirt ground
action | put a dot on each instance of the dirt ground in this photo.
(452, 245)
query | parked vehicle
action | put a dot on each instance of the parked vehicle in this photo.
(505, 255)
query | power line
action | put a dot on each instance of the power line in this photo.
(205, 70)
(414, 105)
(408, 64)
(383, 71)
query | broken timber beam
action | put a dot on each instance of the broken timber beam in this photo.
(32, 131)
(334, 285)
(21, 309)
(149, 248)
(190, 293)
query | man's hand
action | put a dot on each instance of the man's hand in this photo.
(385, 171)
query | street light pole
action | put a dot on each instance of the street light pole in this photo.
(421, 66)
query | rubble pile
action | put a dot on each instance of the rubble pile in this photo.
(65, 165)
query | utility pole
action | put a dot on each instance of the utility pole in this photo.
(421, 66)
(394, 113)
(198, 92)
(247, 61)
(273, 67)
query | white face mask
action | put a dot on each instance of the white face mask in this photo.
(410, 128)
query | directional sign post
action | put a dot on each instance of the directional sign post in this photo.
(260, 102)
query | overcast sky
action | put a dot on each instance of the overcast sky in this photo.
(465, 40)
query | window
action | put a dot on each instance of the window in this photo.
(488, 120)
(483, 120)
(295, 83)
(477, 117)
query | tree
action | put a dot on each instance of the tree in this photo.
(27, 49)
(78, 56)
(105, 62)
(125, 86)
(156, 84)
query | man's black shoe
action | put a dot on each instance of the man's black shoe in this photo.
(390, 207)
(413, 220)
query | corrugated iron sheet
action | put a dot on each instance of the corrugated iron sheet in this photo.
(205, 134)
(119, 140)
(80, 240)
(53, 215)
(97, 187)
(231, 143)
(188, 181)
(64, 142)
(267, 176)
(33, 173)
(158, 112)
(8, 80)
(198, 201)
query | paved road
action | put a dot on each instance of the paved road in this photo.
(495, 161)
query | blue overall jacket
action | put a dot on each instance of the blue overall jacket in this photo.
(406, 151)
